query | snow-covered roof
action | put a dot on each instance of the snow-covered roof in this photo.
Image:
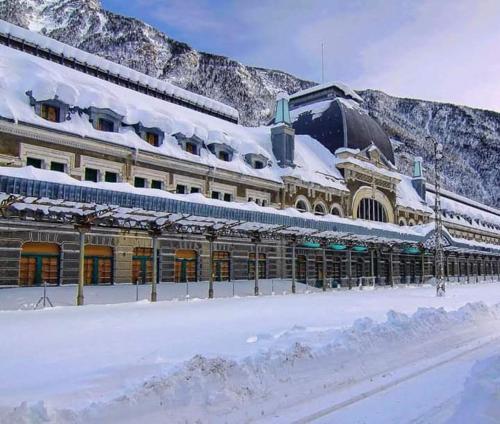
(21, 72)
(407, 196)
(466, 215)
(113, 68)
(348, 91)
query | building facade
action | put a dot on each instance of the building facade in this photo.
(323, 158)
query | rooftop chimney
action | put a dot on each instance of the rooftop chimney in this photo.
(282, 133)
(418, 180)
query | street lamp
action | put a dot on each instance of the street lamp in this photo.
(438, 234)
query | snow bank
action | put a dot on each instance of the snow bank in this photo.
(480, 400)
(214, 389)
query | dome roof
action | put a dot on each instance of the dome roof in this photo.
(341, 123)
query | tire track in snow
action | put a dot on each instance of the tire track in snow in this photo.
(449, 357)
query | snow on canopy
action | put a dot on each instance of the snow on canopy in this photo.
(32, 173)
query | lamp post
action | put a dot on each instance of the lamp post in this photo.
(438, 245)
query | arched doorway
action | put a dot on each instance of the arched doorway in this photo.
(221, 265)
(142, 265)
(301, 265)
(186, 266)
(39, 263)
(98, 265)
(262, 266)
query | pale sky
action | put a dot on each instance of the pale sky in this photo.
(444, 50)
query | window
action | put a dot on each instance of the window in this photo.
(185, 266)
(221, 265)
(39, 263)
(262, 266)
(180, 189)
(319, 210)
(111, 177)
(224, 156)
(191, 148)
(105, 125)
(250, 199)
(336, 211)
(195, 189)
(301, 268)
(215, 195)
(152, 138)
(142, 265)
(371, 210)
(35, 163)
(57, 166)
(98, 265)
(258, 164)
(264, 202)
(156, 184)
(50, 113)
(91, 174)
(301, 206)
(227, 197)
(139, 182)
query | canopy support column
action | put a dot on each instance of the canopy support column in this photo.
(82, 230)
(294, 288)
(372, 265)
(391, 269)
(349, 268)
(155, 233)
(422, 267)
(256, 241)
(324, 267)
(211, 238)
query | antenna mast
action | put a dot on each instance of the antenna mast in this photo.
(322, 64)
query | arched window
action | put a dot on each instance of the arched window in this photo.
(221, 265)
(262, 266)
(402, 222)
(301, 206)
(142, 265)
(39, 263)
(98, 265)
(319, 209)
(186, 264)
(336, 211)
(372, 210)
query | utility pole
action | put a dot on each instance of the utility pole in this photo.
(438, 245)
(322, 63)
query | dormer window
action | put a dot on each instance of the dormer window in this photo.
(53, 110)
(256, 161)
(104, 119)
(191, 148)
(50, 112)
(191, 144)
(222, 151)
(152, 138)
(105, 125)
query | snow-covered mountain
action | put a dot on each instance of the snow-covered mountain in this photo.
(471, 136)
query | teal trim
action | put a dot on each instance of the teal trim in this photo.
(311, 244)
(337, 246)
(412, 250)
(360, 248)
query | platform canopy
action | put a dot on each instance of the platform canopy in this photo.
(66, 204)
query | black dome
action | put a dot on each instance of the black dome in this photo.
(341, 125)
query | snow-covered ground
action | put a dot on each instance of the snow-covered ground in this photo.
(340, 356)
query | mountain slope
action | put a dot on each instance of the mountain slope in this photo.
(471, 136)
